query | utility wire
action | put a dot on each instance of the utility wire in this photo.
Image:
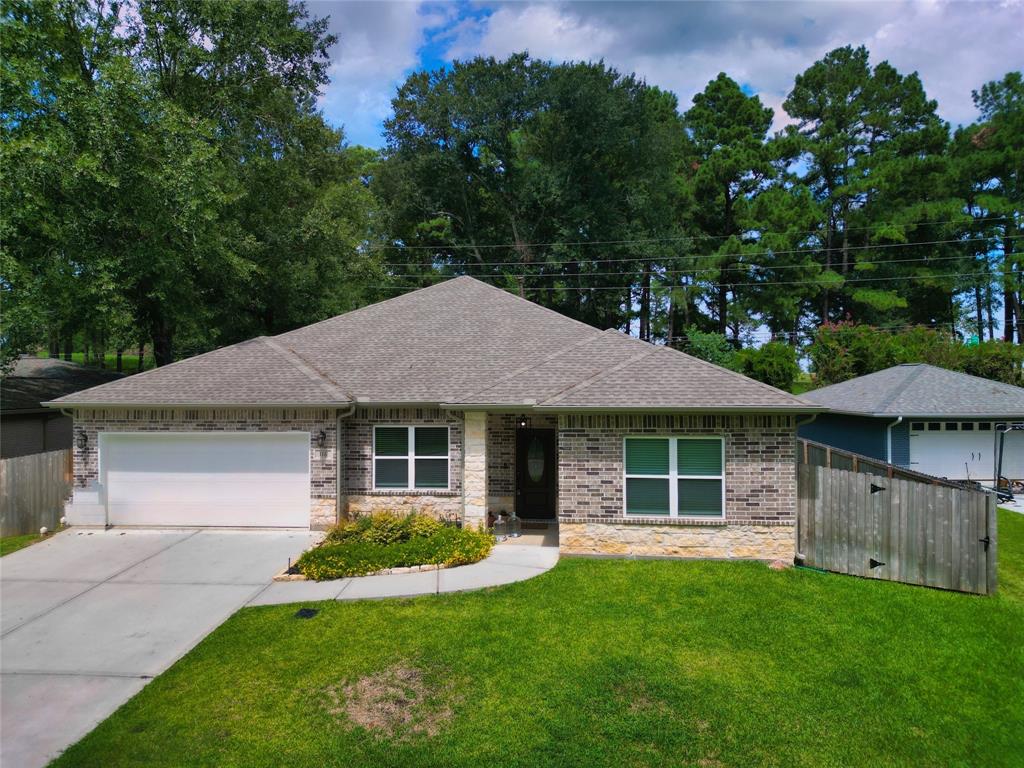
(676, 238)
(738, 268)
(735, 254)
(634, 286)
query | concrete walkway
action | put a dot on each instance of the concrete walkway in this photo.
(87, 618)
(510, 561)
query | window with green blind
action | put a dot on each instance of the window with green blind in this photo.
(410, 457)
(674, 476)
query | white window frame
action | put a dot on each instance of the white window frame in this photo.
(411, 457)
(673, 476)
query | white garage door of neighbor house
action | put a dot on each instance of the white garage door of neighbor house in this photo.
(957, 450)
(206, 479)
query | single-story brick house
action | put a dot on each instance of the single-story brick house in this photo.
(461, 400)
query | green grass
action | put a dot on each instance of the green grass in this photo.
(611, 663)
(10, 544)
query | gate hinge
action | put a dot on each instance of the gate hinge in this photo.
(986, 541)
(876, 488)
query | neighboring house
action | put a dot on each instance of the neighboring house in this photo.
(27, 426)
(460, 400)
(925, 418)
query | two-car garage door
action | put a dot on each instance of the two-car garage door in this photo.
(962, 450)
(206, 479)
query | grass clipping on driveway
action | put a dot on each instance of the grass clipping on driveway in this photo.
(606, 663)
(386, 540)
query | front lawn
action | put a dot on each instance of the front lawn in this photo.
(10, 544)
(602, 663)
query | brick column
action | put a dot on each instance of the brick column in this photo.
(474, 470)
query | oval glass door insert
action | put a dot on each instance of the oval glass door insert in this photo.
(535, 460)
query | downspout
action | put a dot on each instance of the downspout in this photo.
(888, 440)
(338, 467)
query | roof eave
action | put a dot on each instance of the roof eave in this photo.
(219, 404)
(923, 415)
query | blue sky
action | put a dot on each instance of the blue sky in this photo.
(954, 46)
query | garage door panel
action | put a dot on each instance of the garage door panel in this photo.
(213, 479)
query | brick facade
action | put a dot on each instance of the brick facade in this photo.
(357, 464)
(760, 486)
(323, 489)
(760, 471)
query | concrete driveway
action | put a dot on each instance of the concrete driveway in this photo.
(89, 617)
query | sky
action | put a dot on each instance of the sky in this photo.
(679, 46)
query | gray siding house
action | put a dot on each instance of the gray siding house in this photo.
(925, 418)
(460, 400)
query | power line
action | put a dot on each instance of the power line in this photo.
(736, 254)
(738, 268)
(676, 238)
(818, 283)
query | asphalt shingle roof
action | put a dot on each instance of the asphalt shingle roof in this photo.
(36, 380)
(459, 342)
(921, 390)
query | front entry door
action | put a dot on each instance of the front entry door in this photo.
(536, 474)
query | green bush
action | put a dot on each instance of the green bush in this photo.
(710, 346)
(387, 540)
(773, 363)
(842, 351)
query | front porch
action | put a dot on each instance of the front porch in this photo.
(510, 467)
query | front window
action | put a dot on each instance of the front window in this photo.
(675, 476)
(410, 457)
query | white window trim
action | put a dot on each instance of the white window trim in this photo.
(673, 476)
(411, 457)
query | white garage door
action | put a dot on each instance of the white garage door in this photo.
(206, 479)
(957, 450)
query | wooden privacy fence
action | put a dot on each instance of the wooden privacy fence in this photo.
(929, 533)
(33, 490)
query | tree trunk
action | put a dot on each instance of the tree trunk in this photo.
(989, 311)
(54, 345)
(142, 356)
(979, 315)
(69, 347)
(645, 304)
(120, 363)
(163, 343)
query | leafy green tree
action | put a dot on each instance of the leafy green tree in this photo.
(543, 178)
(730, 163)
(872, 145)
(774, 363)
(710, 346)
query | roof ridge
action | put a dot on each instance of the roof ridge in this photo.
(899, 388)
(543, 361)
(965, 375)
(580, 385)
(309, 370)
(533, 304)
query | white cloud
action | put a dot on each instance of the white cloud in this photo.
(954, 46)
(378, 45)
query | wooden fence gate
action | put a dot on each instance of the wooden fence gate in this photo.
(927, 533)
(33, 490)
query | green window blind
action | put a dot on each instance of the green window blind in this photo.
(431, 473)
(391, 441)
(700, 497)
(647, 496)
(699, 457)
(431, 441)
(391, 473)
(646, 457)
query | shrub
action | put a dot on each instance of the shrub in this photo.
(773, 363)
(387, 540)
(710, 346)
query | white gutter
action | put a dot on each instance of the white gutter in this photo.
(888, 439)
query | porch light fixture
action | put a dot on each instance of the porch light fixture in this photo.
(321, 439)
(521, 422)
(83, 440)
